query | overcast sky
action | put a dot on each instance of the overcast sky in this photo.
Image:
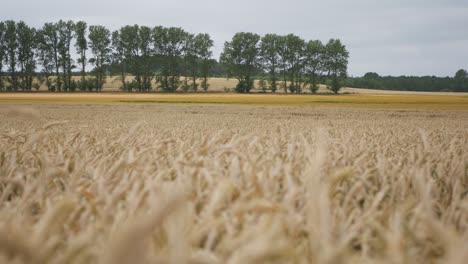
(391, 37)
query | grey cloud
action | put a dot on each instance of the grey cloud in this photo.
(411, 37)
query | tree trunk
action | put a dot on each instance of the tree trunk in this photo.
(83, 67)
(57, 75)
(285, 84)
(122, 76)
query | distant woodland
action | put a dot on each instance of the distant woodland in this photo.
(170, 59)
(371, 80)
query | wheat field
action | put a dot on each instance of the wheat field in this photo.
(198, 183)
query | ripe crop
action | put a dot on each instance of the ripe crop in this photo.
(151, 183)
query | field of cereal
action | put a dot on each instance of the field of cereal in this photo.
(255, 181)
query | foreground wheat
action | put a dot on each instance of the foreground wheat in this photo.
(219, 184)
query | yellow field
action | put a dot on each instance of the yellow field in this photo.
(121, 183)
(385, 101)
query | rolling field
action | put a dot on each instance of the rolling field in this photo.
(155, 178)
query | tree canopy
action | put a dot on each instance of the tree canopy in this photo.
(372, 80)
(171, 59)
(242, 59)
(290, 59)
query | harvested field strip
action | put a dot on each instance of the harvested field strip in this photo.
(442, 102)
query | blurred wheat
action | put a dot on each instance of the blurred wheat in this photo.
(198, 184)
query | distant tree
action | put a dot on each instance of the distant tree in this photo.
(217, 69)
(336, 63)
(191, 67)
(11, 47)
(126, 47)
(371, 75)
(27, 42)
(294, 61)
(198, 60)
(204, 44)
(240, 56)
(135, 48)
(81, 46)
(169, 45)
(99, 42)
(461, 80)
(2, 53)
(118, 58)
(169, 53)
(66, 32)
(409, 83)
(49, 47)
(45, 56)
(145, 45)
(270, 57)
(283, 63)
(461, 74)
(262, 84)
(313, 63)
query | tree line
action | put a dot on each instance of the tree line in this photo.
(170, 57)
(372, 80)
(289, 62)
(160, 53)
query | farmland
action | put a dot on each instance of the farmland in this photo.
(188, 132)
(118, 178)
(379, 100)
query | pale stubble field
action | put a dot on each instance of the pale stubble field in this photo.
(198, 183)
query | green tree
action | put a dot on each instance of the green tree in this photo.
(270, 57)
(66, 33)
(371, 75)
(336, 63)
(313, 65)
(262, 84)
(293, 56)
(198, 60)
(133, 51)
(27, 41)
(191, 62)
(129, 45)
(118, 57)
(99, 42)
(204, 44)
(240, 57)
(2, 53)
(372, 80)
(125, 46)
(45, 56)
(81, 46)
(146, 51)
(461, 80)
(49, 47)
(283, 63)
(11, 47)
(169, 45)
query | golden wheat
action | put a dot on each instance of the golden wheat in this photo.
(148, 183)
